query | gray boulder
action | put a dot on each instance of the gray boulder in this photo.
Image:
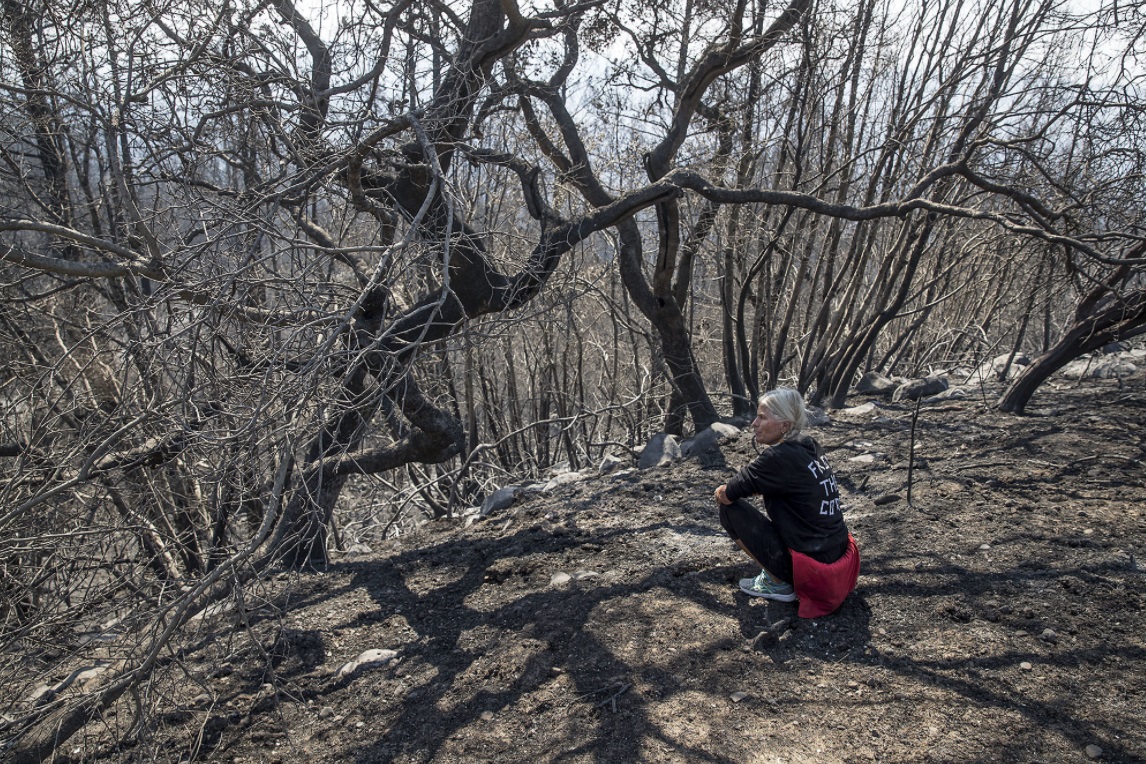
(874, 383)
(951, 394)
(989, 371)
(709, 439)
(499, 500)
(609, 463)
(1098, 368)
(915, 389)
(662, 449)
(862, 410)
(564, 478)
(817, 417)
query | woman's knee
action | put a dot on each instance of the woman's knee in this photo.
(737, 516)
(726, 520)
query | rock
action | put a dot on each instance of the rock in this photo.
(499, 500)
(950, 394)
(738, 696)
(861, 410)
(609, 463)
(560, 578)
(581, 575)
(863, 459)
(1049, 635)
(889, 498)
(726, 430)
(326, 712)
(1026, 666)
(368, 658)
(1079, 368)
(565, 478)
(989, 372)
(1115, 369)
(920, 388)
(984, 547)
(1093, 751)
(1100, 368)
(817, 417)
(487, 716)
(708, 440)
(661, 450)
(874, 383)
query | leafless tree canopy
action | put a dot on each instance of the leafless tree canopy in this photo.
(256, 257)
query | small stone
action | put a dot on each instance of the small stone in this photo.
(1026, 666)
(1049, 635)
(1088, 532)
(367, 658)
(738, 696)
(487, 716)
(326, 712)
(560, 578)
(863, 459)
(1093, 752)
(984, 547)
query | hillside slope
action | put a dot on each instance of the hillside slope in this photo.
(998, 619)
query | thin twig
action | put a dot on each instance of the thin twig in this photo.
(623, 688)
(613, 699)
(911, 452)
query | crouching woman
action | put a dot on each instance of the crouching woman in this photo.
(801, 542)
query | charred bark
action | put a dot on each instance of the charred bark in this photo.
(1114, 319)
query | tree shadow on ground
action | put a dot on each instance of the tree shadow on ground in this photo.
(1000, 599)
(610, 687)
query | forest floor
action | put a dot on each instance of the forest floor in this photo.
(999, 617)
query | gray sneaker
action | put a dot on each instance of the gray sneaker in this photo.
(768, 588)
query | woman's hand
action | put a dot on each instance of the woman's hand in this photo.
(722, 494)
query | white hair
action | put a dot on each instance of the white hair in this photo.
(787, 405)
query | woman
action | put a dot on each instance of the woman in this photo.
(802, 545)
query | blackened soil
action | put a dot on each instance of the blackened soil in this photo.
(999, 617)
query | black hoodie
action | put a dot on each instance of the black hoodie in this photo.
(800, 494)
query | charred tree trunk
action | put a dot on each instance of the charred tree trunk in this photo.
(1116, 319)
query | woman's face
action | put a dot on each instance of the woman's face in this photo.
(767, 429)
